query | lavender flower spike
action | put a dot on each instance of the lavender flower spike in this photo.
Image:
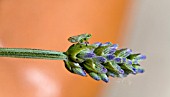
(103, 60)
(97, 60)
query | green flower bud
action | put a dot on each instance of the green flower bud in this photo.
(94, 67)
(95, 76)
(113, 67)
(104, 77)
(128, 68)
(112, 74)
(123, 52)
(79, 71)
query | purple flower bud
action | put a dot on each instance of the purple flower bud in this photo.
(121, 71)
(110, 74)
(104, 70)
(97, 44)
(79, 71)
(94, 76)
(117, 60)
(104, 77)
(86, 55)
(140, 70)
(106, 44)
(100, 68)
(89, 55)
(135, 61)
(114, 46)
(128, 52)
(129, 62)
(110, 57)
(100, 59)
(124, 52)
(134, 70)
(120, 60)
(123, 60)
(122, 75)
(112, 50)
(141, 57)
(109, 50)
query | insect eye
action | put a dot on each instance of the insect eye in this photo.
(89, 35)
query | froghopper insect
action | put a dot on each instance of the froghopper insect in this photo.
(75, 49)
(79, 38)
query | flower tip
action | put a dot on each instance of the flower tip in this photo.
(129, 50)
(104, 77)
(115, 46)
(142, 57)
(94, 76)
(104, 70)
(79, 71)
(134, 70)
(110, 57)
(110, 74)
(106, 44)
(97, 44)
(121, 71)
(100, 59)
(117, 60)
(106, 80)
(141, 70)
(129, 62)
(89, 55)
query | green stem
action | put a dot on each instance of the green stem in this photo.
(32, 53)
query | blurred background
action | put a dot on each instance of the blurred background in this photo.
(142, 25)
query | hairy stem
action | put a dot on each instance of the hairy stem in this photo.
(32, 53)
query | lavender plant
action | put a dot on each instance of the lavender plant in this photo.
(97, 60)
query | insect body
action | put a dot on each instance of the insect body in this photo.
(79, 38)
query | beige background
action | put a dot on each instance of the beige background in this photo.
(150, 25)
